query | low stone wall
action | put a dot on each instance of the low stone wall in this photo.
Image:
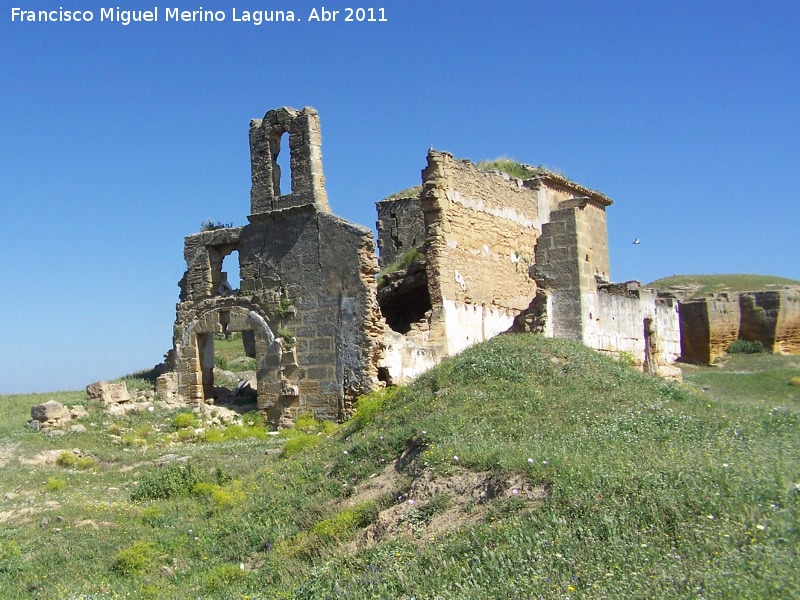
(638, 323)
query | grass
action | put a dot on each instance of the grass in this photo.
(653, 490)
(229, 354)
(702, 285)
(510, 167)
(411, 192)
(409, 258)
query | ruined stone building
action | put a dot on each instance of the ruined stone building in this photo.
(504, 253)
(486, 253)
(306, 302)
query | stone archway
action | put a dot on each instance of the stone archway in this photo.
(196, 354)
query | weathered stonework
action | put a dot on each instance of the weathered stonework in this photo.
(484, 232)
(400, 227)
(495, 253)
(709, 325)
(306, 304)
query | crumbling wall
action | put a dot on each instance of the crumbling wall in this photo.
(575, 302)
(624, 318)
(481, 234)
(571, 257)
(400, 227)
(787, 327)
(306, 304)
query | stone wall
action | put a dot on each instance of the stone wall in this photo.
(575, 301)
(637, 322)
(400, 228)
(709, 325)
(481, 232)
(307, 301)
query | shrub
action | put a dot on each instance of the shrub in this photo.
(183, 420)
(67, 459)
(53, 484)
(86, 462)
(134, 559)
(285, 308)
(227, 496)
(223, 576)
(746, 347)
(369, 405)
(209, 225)
(221, 363)
(300, 442)
(115, 429)
(171, 480)
(794, 381)
(213, 435)
(409, 258)
(133, 440)
(254, 418)
(186, 434)
(306, 424)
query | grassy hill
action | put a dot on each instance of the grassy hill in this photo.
(700, 285)
(524, 467)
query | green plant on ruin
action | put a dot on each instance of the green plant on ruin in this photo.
(285, 308)
(288, 337)
(413, 256)
(211, 225)
(746, 347)
(510, 167)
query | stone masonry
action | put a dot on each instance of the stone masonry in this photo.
(492, 244)
(493, 253)
(307, 297)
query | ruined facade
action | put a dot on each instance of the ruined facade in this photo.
(306, 302)
(492, 243)
(477, 253)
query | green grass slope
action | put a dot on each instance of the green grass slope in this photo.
(702, 285)
(598, 482)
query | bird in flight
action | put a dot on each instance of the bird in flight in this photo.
(636, 241)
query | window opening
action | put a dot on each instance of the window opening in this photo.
(281, 165)
(229, 278)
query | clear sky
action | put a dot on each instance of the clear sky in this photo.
(117, 141)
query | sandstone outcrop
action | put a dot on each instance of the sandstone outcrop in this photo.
(709, 325)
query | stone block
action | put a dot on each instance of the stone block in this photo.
(108, 393)
(49, 411)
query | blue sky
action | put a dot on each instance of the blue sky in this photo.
(117, 141)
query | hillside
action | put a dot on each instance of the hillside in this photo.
(695, 286)
(524, 467)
